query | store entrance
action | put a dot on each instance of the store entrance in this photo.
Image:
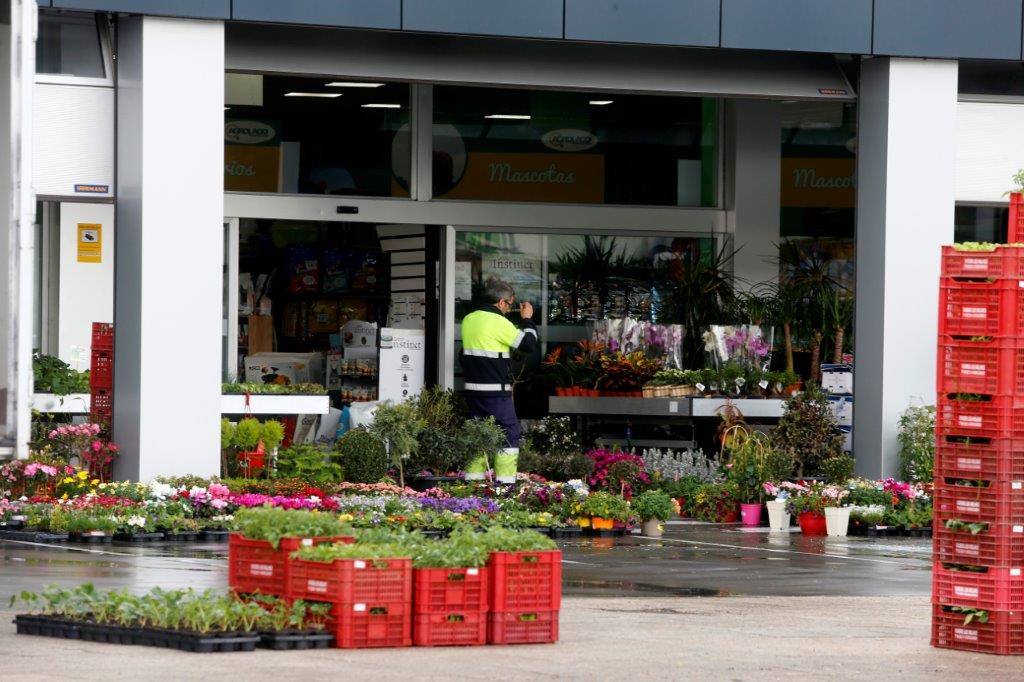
(348, 305)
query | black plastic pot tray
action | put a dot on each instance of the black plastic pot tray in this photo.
(138, 537)
(283, 641)
(50, 626)
(33, 536)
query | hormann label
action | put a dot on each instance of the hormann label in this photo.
(264, 570)
(965, 591)
(969, 463)
(975, 313)
(359, 607)
(319, 586)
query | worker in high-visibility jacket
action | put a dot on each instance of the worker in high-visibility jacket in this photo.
(488, 338)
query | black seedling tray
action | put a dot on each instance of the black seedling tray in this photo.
(187, 536)
(52, 626)
(91, 539)
(138, 537)
(296, 639)
(566, 532)
(214, 535)
(33, 536)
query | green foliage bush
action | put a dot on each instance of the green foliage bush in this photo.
(273, 523)
(653, 504)
(917, 443)
(808, 431)
(838, 469)
(308, 463)
(361, 456)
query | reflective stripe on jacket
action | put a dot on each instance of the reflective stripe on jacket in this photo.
(488, 338)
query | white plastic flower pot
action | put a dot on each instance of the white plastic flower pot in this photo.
(778, 517)
(837, 521)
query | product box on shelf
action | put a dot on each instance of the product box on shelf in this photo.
(285, 368)
(841, 407)
(837, 379)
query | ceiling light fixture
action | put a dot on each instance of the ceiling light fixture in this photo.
(327, 95)
(381, 105)
(601, 102)
(353, 84)
(509, 117)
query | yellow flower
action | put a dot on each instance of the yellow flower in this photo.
(64, 496)
(95, 481)
(68, 480)
(346, 517)
(83, 475)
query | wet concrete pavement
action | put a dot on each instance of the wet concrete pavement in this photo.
(692, 560)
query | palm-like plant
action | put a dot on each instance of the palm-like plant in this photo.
(839, 309)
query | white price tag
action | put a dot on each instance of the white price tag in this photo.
(359, 607)
(472, 571)
(763, 383)
(740, 381)
(358, 564)
(700, 387)
(307, 542)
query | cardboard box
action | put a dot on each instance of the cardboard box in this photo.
(285, 368)
(847, 432)
(837, 379)
(842, 408)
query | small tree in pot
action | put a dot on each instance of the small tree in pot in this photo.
(397, 425)
(808, 431)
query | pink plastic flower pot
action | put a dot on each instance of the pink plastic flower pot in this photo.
(751, 514)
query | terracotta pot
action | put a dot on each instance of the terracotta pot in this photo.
(729, 515)
(812, 523)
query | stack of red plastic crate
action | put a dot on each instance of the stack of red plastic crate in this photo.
(525, 597)
(451, 606)
(977, 585)
(101, 373)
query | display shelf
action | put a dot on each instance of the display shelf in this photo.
(73, 403)
(275, 404)
(766, 408)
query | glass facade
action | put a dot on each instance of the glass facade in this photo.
(574, 148)
(981, 223)
(316, 136)
(69, 45)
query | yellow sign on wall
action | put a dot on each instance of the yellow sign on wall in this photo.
(818, 183)
(90, 243)
(568, 178)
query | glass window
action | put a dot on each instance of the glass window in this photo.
(576, 148)
(981, 224)
(69, 45)
(303, 135)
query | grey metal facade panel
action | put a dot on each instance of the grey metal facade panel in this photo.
(519, 19)
(974, 29)
(355, 13)
(654, 22)
(800, 25)
(197, 9)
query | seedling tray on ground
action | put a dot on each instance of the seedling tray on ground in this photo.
(138, 537)
(50, 626)
(33, 536)
(294, 639)
(187, 536)
(88, 539)
(214, 535)
(566, 532)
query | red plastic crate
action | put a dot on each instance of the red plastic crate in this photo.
(522, 627)
(447, 590)
(102, 336)
(350, 581)
(463, 628)
(994, 366)
(980, 308)
(995, 459)
(101, 369)
(1001, 262)
(255, 566)
(1002, 634)
(526, 581)
(999, 546)
(1000, 502)
(372, 625)
(1015, 224)
(997, 589)
(991, 417)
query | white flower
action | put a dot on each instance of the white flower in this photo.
(139, 521)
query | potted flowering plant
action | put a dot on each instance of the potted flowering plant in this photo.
(810, 506)
(604, 509)
(778, 514)
(654, 508)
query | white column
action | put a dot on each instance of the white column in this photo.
(169, 248)
(905, 198)
(753, 188)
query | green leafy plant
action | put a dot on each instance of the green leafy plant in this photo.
(479, 437)
(838, 469)
(362, 456)
(272, 523)
(916, 438)
(309, 463)
(327, 553)
(52, 375)
(715, 501)
(959, 526)
(499, 539)
(808, 431)
(463, 548)
(654, 504)
(971, 614)
(272, 389)
(397, 425)
(605, 505)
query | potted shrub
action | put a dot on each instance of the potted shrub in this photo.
(808, 431)
(604, 509)
(361, 456)
(752, 461)
(654, 508)
(397, 425)
(716, 502)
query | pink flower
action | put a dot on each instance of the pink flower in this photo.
(97, 446)
(31, 469)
